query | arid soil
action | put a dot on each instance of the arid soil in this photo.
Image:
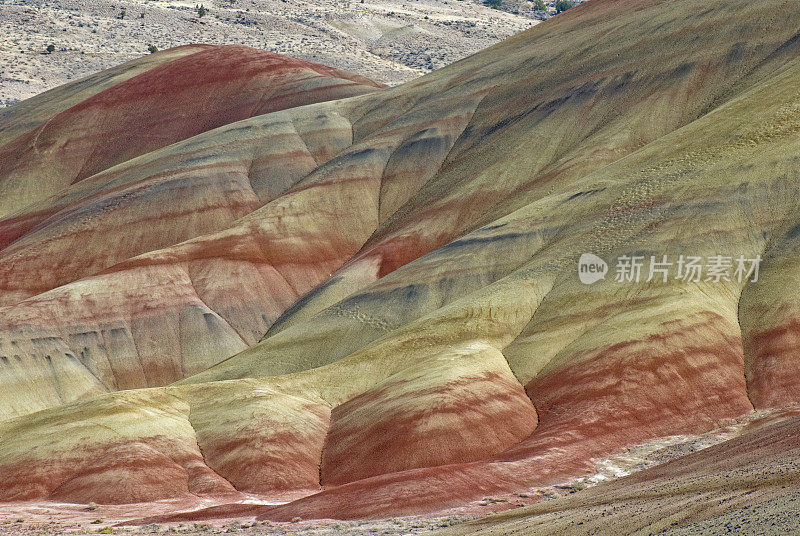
(390, 527)
(770, 518)
(391, 41)
(745, 485)
(32, 518)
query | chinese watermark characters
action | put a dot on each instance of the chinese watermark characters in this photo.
(685, 268)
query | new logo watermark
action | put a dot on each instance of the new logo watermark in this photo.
(687, 268)
(591, 268)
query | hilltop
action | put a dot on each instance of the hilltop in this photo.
(391, 41)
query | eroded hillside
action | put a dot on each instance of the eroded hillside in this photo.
(365, 301)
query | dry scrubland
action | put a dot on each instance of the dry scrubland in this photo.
(390, 41)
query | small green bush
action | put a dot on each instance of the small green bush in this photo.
(578, 485)
(152, 49)
(51, 49)
(563, 5)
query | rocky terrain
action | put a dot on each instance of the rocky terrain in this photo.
(236, 285)
(390, 41)
(39, 523)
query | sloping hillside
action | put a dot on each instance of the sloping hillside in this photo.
(131, 332)
(368, 299)
(748, 485)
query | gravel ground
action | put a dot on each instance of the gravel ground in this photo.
(391, 527)
(778, 517)
(391, 41)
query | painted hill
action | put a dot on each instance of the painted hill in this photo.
(368, 299)
(133, 334)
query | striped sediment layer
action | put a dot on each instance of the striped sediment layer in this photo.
(370, 296)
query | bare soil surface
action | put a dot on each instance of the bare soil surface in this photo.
(405, 526)
(32, 518)
(772, 518)
(391, 41)
(385, 527)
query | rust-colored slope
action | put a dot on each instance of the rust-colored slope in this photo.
(163, 105)
(27, 115)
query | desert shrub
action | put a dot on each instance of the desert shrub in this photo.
(152, 48)
(563, 5)
(578, 485)
(201, 11)
(496, 4)
(539, 5)
(51, 49)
